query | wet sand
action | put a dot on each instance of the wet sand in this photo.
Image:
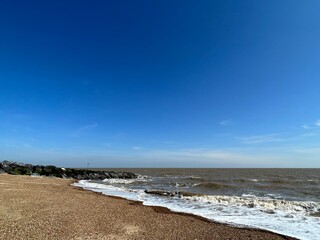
(50, 208)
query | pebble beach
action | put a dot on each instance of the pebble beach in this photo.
(50, 208)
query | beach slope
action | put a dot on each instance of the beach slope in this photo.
(50, 208)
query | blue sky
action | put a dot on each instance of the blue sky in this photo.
(160, 84)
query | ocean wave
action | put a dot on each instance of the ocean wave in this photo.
(91, 185)
(140, 178)
(297, 219)
(118, 180)
(279, 181)
(181, 177)
(254, 180)
(212, 185)
(313, 180)
(263, 204)
(121, 191)
(181, 185)
(246, 180)
(266, 181)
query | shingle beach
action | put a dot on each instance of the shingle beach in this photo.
(50, 208)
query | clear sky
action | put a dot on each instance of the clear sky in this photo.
(160, 83)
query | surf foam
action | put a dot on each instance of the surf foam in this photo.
(290, 218)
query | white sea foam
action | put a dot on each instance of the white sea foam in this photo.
(107, 189)
(262, 204)
(280, 216)
(181, 185)
(181, 177)
(140, 178)
(118, 180)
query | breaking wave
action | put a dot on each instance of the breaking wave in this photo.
(211, 185)
(299, 219)
(263, 204)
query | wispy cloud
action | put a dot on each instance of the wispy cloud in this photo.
(136, 148)
(316, 124)
(309, 134)
(83, 129)
(187, 157)
(312, 150)
(205, 157)
(226, 122)
(11, 143)
(262, 139)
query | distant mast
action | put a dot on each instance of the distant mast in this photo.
(87, 165)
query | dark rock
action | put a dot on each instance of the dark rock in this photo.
(316, 213)
(161, 192)
(120, 174)
(53, 171)
(251, 205)
(107, 175)
(7, 165)
(129, 175)
(269, 211)
(16, 168)
(113, 174)
(63, 175)
(21, 171)
(37, 169)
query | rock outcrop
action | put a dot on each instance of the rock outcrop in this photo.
(53, 171)
(161, 192)
(169, 194)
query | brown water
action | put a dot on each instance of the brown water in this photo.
(288, 184)
(285, 201)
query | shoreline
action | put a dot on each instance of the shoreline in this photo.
(51, 208)
(165, 210)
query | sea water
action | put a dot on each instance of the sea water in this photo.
(285, 201)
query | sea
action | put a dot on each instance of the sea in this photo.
(285, 201)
